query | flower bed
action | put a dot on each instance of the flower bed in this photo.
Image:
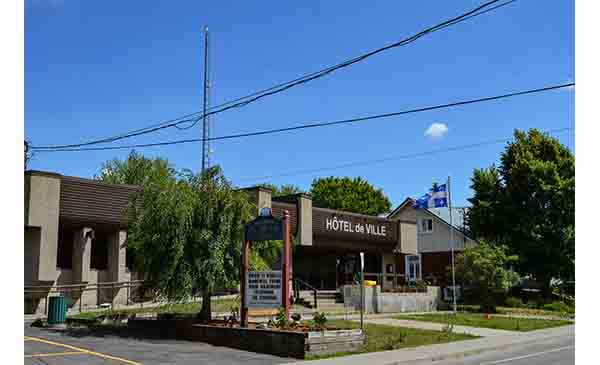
(299, 341)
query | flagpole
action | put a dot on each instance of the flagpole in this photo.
(452, 246)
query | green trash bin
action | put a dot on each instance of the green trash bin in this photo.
(57, 310)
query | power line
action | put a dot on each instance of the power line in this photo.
(315, 125)
(393, 158)
(479, 10)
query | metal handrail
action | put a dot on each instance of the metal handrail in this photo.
(78, 285)
(81, 288)
(299, 282)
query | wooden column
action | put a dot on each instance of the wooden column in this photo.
(285, 275)
(243, 273)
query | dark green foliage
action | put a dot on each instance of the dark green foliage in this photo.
(187, 234)
(136, 170)
(282, 190)
(528, 204)
(352, 195)
(484, 269)
(514, 302)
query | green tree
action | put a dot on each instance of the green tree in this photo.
(287, 189)
(485, 269)
(190, 232)
(135, 170)
(528, 204)
(353, 195)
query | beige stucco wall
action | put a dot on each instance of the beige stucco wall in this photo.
(42, 193)
(439, 239)
(305, 223)
(408, 237)
(387, 259)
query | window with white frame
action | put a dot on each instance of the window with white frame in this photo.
(412, 265)
(425, 225)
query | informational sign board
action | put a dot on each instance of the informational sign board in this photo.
(263, 289)
(264, 229)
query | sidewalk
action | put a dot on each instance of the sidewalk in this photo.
(449, 350)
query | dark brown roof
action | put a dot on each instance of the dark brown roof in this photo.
(94, 202)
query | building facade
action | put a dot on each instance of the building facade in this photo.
(434, 246)
(75, 234)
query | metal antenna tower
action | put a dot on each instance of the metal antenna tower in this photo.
(205, 106)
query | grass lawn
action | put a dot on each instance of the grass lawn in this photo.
(382, 337)
(495, 322)
(218, 305)
(519, 311)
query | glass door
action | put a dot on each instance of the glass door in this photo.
(413, 268)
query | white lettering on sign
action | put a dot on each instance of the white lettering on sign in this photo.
(263, 289)
(339, 225)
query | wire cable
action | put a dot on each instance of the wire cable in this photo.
(393, 158)
(317, 124)
(240, 102)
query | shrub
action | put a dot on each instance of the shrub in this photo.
(320, 320)
(514, 302)
(280, 319)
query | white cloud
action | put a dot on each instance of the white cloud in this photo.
(436, 130)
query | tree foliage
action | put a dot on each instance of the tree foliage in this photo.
(136, 170)
(28, 153)
(286, 189)
(353, 195)
(187, 234)
(485, 269)
(528, 204)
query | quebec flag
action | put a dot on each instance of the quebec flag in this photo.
(436, 198)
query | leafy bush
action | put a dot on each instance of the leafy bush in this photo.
(320, 320)
(484, 268)
(514, 302)
(280, 319)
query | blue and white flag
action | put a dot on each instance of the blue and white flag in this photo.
(436, 198)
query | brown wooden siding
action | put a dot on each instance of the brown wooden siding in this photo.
(320, 232)
(278, 208)
(436, 264)
(86, 201)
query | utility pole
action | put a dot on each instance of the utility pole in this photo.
(205, 106)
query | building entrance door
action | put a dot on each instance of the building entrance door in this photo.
(413, 268)
(346, 269)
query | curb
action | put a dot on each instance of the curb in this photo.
(462, 354)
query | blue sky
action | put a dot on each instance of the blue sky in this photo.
(95, 69)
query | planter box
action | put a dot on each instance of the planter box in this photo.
(274, 342)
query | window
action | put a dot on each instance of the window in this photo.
(64, 249)
(99, 259)
(413, 267)
(425, 225)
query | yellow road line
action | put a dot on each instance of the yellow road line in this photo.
(57, 353)
(83, 350)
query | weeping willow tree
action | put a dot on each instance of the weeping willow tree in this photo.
(187, 234)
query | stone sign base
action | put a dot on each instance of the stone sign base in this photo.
(275, 342)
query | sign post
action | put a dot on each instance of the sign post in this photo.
(244, 273)
(265, 289)
(362, 288)
(285, 267)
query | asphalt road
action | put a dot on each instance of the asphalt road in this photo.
(52, 347)
(551, 352)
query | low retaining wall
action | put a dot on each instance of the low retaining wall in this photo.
(377, 302)
(274, 342)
